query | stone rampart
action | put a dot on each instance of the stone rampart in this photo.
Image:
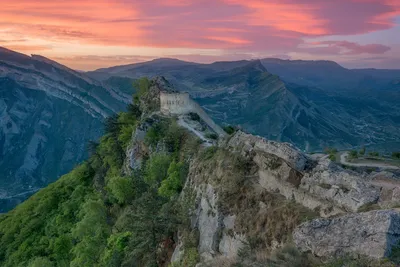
(181, 103)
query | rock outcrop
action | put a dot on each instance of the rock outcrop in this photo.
(372, 234)
(216, 230)
(318, 185)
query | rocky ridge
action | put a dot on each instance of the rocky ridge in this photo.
(246, 179)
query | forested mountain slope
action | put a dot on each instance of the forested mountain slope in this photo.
(48, 113)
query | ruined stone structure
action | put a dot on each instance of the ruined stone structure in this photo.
(175, 103)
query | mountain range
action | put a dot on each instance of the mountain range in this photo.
(313, 104)
(48, 112)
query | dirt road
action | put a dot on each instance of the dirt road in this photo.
(343, 160)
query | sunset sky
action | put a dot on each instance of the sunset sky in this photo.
(91, 34)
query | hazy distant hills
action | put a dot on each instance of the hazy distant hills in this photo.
(48, 113)
(312, 104)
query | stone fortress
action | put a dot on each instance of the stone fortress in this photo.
(178, 103)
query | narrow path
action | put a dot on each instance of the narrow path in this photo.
(343, 160)
(183, 123)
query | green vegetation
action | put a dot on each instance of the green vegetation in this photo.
(373, 154)
(98, 215)
(331, 151)
(173, 184)
(396, 155)
(353, 154)
(362, 151)
(229, 129)
(213, 136)
(332, 157)
(142, 85)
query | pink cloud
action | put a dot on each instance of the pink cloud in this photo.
(356, 49)
(273, 26)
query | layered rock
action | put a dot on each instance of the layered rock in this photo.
(315, 184)
(371, 234)
(48, 114)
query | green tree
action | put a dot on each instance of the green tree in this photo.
(229, 129)
(143, 85)
(373, 154)
(174, 137)
(151, 221)
(332, 157)
(111, 125)
(157, 169)
(115, 252)
(41, 262)
(174, 182)
(90, 234)
(396, 155)
(353, 154)
(134, 110)
(121, 188)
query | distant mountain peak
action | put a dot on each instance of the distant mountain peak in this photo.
(302, 62)
(170, 60)
(251, 65)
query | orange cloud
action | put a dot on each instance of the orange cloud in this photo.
(97, 22)
(103, 27)
(283, 16)
(230, 40)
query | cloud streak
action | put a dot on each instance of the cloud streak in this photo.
(239, 27)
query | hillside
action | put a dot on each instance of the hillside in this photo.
(48, 113)
(153, 194)
(312, 104)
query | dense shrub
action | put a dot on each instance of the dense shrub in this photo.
(373, 154)
(121, 188)
(353, 154)
(173, 184)
(396, 155)
(213, 136)
(229, 129)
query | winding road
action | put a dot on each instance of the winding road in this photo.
(343, 160)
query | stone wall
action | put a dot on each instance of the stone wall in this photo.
(181, 103)
(175, 103)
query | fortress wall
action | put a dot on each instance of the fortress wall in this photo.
(175, 103)
(204, 116)
(181, 103)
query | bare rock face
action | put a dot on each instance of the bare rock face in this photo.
(289, 153)
(346, 189)
(216, 234)
(315, 184)
(371, 234)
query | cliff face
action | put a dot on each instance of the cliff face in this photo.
(260, 196)
(48, 113)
